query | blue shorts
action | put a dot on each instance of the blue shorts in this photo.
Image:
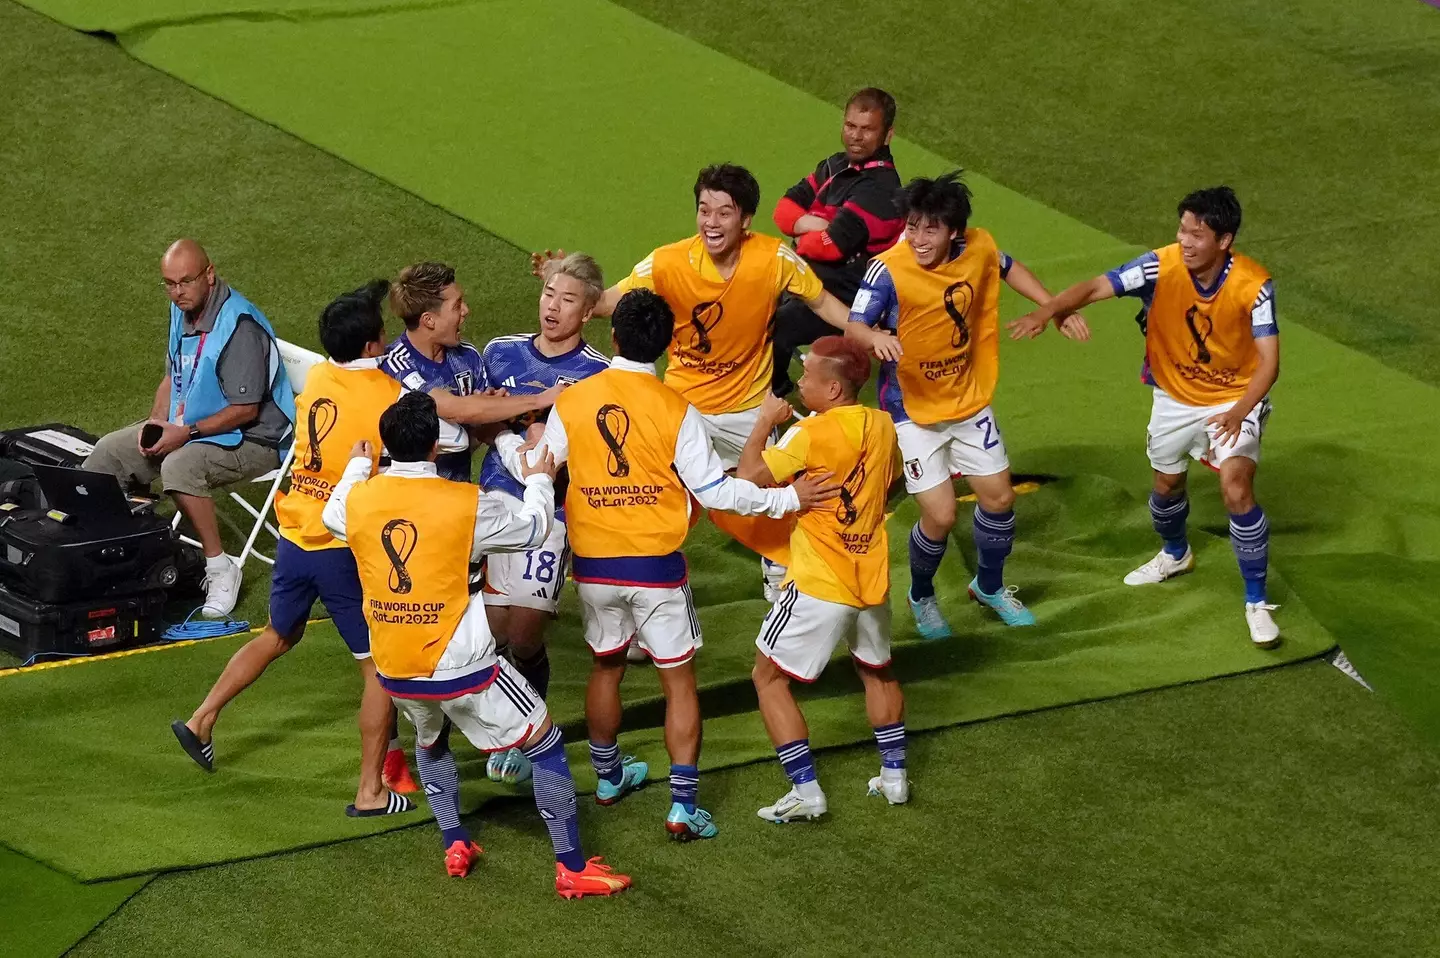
(327, 574)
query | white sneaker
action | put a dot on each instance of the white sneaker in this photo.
(1162, 567)
(1264, 633)
(896, 791)
(794, 807)
(222, 587)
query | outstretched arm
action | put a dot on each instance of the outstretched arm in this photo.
(478, 409)
(1076, 297)
(1027, 284)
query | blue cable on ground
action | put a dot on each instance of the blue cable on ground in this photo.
(204, 629)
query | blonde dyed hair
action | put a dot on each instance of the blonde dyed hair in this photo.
(420, 289)
(583, 268)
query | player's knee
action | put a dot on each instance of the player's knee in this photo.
(1001, 500)
(1238, 494)
(1170, 485)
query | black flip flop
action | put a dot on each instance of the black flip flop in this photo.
(396, 805)
(202, 752)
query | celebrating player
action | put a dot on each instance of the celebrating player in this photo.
(522, 589)
(637, 452)
(838, 587)
(1212, 353)
(430, 357)
(936, 297)
(722, 285)
(413, 534)
(340, 405)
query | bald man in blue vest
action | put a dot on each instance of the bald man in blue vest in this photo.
(223, 412)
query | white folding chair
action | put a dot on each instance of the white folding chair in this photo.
(298, 362)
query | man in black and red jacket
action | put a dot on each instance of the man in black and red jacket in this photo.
(840, 216)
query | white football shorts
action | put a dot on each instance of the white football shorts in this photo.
(501, 716)
(531, 579)
(662, 621)
(801, 632)
(933, 454)
(1178, 433)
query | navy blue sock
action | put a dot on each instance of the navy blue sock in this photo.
(1168, 515)
(925, 556)
(555, 798)
(890, 739)
(441, 779)
(994, 537)
(799, 763)
(1250, 537)
(684, 785)
(606, 759)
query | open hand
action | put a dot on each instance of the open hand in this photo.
(1028, 326)
(815, 489)
(544, 465)
(538, 261)
(1074, 327)
(885, 347)
(1227, 426)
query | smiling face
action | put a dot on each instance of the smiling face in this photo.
(1199, 246)
(863, 134)
(721, 224)
(563, 308)
(444, 323)
(930, 240)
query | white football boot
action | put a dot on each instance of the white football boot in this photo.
(1162, 567)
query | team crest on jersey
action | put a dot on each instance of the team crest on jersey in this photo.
(912, 468)
(566, 380)
(465, 382)
(703, 318)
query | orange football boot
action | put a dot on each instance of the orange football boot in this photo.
(397, 773)
(460, 856)
(595, 879)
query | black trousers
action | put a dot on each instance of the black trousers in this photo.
(795, 326)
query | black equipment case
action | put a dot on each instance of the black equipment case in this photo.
(62, 562)
(53, 444)
(28, 626)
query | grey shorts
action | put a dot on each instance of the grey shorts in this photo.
(194, 469)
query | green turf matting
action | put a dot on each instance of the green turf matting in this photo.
(614, 179)
(43, 913)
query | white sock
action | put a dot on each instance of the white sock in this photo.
(810, 789)
(217, 563)
(892, 774)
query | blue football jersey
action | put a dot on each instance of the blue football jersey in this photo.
(460, 371)
(514, 364)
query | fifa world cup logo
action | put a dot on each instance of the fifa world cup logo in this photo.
(322, 418)
(958, 297)
(1195, 320)
(398, 539)
(703, 318)
(614, 425)
(847, 512)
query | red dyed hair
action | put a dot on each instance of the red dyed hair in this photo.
(850, 360)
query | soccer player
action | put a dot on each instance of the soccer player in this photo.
(838, 587)
(722, 284)
(431, 357)
(935, 298)
(522, 589)
(637, 452)
(413, 534)
(1212, 354)
(340, 405)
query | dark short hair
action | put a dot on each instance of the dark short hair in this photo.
(945, 198)
(410, 428)
(353, 321)
(874, 98)
(849, 361)
(420, 289)
(735, 181)
(642, 325)
(1216, 206)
